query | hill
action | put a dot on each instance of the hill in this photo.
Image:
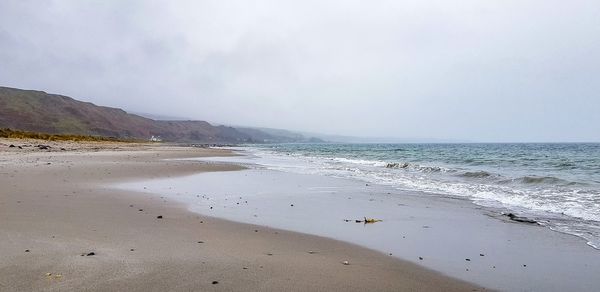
(38, 111)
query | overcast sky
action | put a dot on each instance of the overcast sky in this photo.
(459, 70)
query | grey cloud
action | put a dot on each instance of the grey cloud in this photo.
(461, 70)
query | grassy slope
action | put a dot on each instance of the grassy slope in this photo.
(38, 111)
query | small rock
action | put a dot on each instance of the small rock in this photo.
(12, 146)
(269, 254)
(26, 250)
(91, 254)
(132, 249)
(200, 241)
(255, 230)
(524, 266)
(140, 210)
(215, 282)
(468, 260)
(481, 255)
(312, 252)
(420, 258)
(345, 263)
(245, 268)
(292, 205)
(159, 217)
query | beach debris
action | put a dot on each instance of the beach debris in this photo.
(365, 220)
(215, 282)
(159, 217)
(521, 219)
(371, 220)
(53, 276)
(346, 263)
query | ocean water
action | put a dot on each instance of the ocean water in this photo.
(557, 184)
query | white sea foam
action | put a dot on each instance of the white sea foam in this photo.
(581, 206)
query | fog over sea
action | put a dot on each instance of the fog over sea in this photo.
(556, 184)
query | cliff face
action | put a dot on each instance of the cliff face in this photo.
(38, 111)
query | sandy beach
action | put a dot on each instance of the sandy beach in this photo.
(63, 229)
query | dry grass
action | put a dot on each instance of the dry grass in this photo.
(15, 134)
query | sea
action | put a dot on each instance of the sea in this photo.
(556, 184)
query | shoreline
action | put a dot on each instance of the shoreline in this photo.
(451, 234)
(55, 207)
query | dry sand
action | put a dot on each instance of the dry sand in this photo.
(55, 210)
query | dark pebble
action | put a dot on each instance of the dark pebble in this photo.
(292, 205)
(255, 230)
(481, 255)
(12, 146)
(141, 210)
(215, 282)
(26, 250)
(468, 260)
(132, 249)
(200, 241)
(91, 254)
(524, 265)
(420, 258)
(159, 217)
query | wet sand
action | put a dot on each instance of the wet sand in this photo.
(450, 235)
(64, 229)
